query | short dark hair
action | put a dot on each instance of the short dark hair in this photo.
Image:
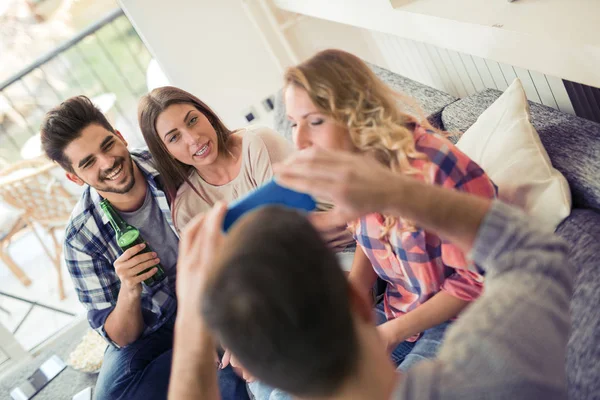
(64, 123)
(280, 303)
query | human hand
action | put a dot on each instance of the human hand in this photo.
(356, 184)
(238, 367)
(389, 335)
(130, 265)
(199, 246)
(333, 235)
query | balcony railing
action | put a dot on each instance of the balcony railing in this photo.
(106, 62)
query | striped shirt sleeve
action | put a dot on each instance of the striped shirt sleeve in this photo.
(96, 289)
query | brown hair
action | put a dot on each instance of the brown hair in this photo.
(64, 123)
(342, 86)
(279, 284)
(173, 171)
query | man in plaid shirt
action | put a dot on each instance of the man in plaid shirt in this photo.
(136, 320)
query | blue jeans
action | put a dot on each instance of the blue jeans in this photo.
(141, 370)
(407, 354)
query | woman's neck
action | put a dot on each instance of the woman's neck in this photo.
(227, 165)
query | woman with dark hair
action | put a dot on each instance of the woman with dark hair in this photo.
(201, 161)
(199, 158)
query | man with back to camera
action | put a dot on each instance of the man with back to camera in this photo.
(308, 332)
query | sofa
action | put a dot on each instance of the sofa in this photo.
(573, 145)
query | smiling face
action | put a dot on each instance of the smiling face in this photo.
(310, 127)
(100, 158)
(188, 135)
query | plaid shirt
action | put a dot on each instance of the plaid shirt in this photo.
(420, 264)
(91, 249)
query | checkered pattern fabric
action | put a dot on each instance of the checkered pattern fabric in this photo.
(91, 249)
(418, 264)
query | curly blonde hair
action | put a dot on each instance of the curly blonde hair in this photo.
(342, 86)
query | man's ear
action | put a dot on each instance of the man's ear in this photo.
(121, 137)
(360, 304)
(74, 178)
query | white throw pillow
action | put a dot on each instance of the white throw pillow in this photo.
(506, 145)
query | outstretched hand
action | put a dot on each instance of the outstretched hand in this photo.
(355, 184)
(199, 246)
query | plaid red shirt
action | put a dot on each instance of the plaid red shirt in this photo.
(420, 263)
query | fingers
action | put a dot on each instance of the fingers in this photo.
(190, 231)
(314, 171)
(342, 238)
(305, 182)
(124, 266)
(141, 278)
(131, 252)
(247, 377)
(142, 267)
(133, 266)
(211, 221)
(234, 362)
(239, 368)
(226, 358)
(214, 218)
(340, 216)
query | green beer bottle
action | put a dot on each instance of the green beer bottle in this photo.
(129, 236)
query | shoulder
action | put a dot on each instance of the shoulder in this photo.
(441, 153)
(85, 223)
(264, 142)
(184, 193)
(434, 145)
(144, 160)
(450, 167)
(263, 135)
(142, 155)
(187, 202)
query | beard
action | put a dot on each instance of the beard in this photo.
(123, 188)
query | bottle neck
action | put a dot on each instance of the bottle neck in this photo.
(116, 221)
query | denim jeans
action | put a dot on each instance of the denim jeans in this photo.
(407, 354)
(141, 370)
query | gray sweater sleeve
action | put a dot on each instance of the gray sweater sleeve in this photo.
(510, 343)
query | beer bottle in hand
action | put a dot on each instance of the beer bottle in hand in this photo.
(129, 236)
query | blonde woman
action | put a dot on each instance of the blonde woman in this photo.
(336, 103)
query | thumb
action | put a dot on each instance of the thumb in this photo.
(225, 359)
(340, 216)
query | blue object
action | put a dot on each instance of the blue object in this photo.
(268, 194)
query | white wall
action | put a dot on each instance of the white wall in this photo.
(454, 72)
(462, 74)
(310, 35)
(293, 38)
(573, 21)
(555, 37)
(211, 49)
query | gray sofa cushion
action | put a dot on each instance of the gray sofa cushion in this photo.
(582, 231)
(573, 143)
(574, 148)
(432, 101)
